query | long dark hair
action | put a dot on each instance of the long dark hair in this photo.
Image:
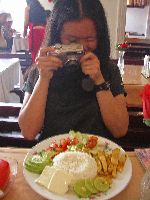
(72, 10)
(37, 14)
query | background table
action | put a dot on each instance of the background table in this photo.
(21, 190)
(19, 43)
(134, 82)
(10, 75)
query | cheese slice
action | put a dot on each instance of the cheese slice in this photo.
(55, 180)
(59, 182)
(45, 176)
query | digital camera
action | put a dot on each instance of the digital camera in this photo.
(69, 54)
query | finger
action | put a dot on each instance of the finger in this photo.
(49, 65)
(89, 63)
(45, 50)
(50, 59)
(88, 71)
(88, 56)
(92, 66)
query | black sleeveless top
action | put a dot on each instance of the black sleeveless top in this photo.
(70, 107)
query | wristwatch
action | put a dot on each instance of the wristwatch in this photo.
(102, 87)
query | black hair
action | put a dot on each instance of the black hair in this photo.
(72, 10)
(37, 15)
(48, 13)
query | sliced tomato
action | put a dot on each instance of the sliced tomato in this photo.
(92, 142)
(59, 149)
(53, 146)
(4, 173)
(65, 143)
(74, 141)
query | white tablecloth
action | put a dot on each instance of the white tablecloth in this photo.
(10, 75)
(19, 44)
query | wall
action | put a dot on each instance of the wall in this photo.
(115, 12)
(46, 4)
(136, 20)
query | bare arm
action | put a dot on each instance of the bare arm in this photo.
(26, 20)
(113, 109)
(114, 112)
(32, 114)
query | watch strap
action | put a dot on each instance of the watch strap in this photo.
(102, 87)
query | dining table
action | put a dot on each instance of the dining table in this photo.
(20, 44)
(134, 83)
(10, 75)
(22, 191)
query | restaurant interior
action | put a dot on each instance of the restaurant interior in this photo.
(129, 23)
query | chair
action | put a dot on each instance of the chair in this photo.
(138, 135)
(10, 133)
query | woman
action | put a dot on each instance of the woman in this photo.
(35, 19)
(3, 18)
(58, 102)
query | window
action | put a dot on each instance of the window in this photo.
(16, 9)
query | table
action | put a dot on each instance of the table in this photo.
(10, 75)
(22, 191)
(19, 43)
(134, 82)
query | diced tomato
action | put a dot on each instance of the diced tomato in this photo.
(4, 173)
(93, 138)
(92, 142)
(52, 146)
(65, 143)
(74, 141)
(59, 149)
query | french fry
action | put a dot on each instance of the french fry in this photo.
(121, 162)
(110, 168)
(108, 164)
(99, 165)
(108, 159)
(122, 159)
(114, 171)
(115, 156)
(103, 162)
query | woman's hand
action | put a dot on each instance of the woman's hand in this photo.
(47, 64)
(90, 65)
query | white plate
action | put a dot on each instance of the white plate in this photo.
(117, 186)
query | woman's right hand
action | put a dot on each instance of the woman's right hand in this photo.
(47, 64)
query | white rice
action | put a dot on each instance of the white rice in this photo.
(79, 164)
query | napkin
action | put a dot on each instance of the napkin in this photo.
(145, 94)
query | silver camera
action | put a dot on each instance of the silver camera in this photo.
(69, 54)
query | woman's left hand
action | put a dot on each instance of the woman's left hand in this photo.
(90, 65)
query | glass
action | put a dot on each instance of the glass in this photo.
(13, 172)
(145, 186)
(121, 62)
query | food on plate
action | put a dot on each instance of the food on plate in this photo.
(55, 180)
(85, 188)
(81, 163)
(4, 174)
(37, 162)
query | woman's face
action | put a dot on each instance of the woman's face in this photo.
(82, 31)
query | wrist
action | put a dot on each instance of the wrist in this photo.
(44, 79)
(104, 86)
(98, 80)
